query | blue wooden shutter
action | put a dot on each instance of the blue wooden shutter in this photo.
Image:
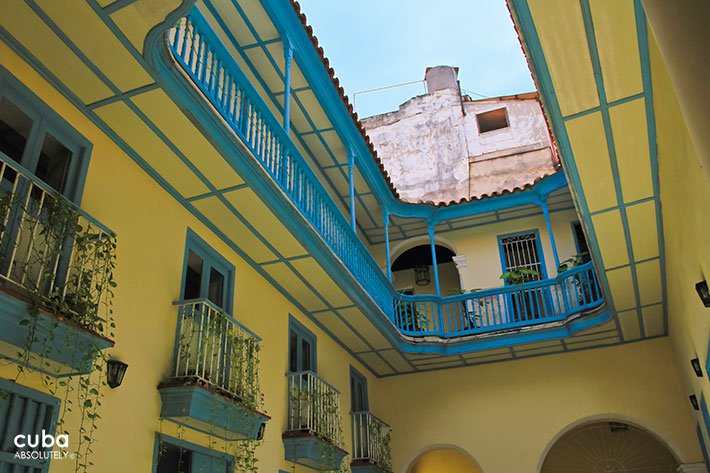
(22, 412)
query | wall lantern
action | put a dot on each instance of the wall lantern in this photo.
(695, 363)
(421, 274)
(703, 292)
(261, 432)
(115, 371)
(694, 402)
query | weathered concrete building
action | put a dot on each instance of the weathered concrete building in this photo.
(444, 146)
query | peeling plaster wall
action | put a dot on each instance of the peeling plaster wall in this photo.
(433, 152)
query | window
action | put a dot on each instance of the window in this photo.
(177, 456)
(24, 412)
(35, 137)
(492, 120)
(358, 392)
(207, 275)
(301, 347)
(522, 251)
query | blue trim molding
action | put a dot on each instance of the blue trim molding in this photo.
(205, 411)
(313, 452)
(58, 348)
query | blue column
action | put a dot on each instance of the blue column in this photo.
(546, 213)
(433, 259)
(386, 223)
(288, 58)
(351, 166)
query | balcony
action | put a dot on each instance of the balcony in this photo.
(506, 308)
(371, 444)
(206, 62)
(213, 386)
(313, 437)
(56, 282)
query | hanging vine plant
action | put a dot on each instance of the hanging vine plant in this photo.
(218, 355)
(61, 262)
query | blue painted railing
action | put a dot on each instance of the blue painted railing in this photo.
(209, 64)
(204, 58)
(548, 300)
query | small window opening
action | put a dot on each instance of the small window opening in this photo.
(493, 120)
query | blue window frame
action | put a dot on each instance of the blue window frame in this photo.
(302, 346)
(522, 250)
(359, 399)
(207, 274)
(26, 412)
(39, 140)
(173, 455)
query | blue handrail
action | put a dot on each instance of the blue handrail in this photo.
(204, 58)
(201, 54)
(547, 300)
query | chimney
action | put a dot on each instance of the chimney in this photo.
(441, 78)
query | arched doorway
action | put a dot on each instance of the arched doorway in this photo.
(609, 447)
(413, 273)
(444, 460)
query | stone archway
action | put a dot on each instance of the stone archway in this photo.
(444, 459)
(609, 447)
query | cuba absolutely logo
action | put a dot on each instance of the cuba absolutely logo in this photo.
(35, 446)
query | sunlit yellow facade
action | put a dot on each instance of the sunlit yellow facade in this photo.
(160, 169)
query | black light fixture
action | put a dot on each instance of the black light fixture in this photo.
(261, 432)
(115, 371)
(703, 292)
(421, 274)
(694, 402)
(695, 363)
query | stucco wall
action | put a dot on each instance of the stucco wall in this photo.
(506, 415)
(480, 246)
(435, 152)
(151, 227)
(685, 192)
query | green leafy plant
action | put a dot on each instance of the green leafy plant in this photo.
(573, 261)
(215, 353)
(517, 276)
(63, 263)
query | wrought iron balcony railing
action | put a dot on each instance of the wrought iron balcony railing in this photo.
(314, 407)
(202, 56)
(51, 251)
(371, 441)
(215, 351)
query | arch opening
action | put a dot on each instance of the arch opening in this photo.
(444, 460)
(413, 273)
(609, 447)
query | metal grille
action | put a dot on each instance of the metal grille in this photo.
(520, 252)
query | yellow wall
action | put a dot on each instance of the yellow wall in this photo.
(480, 245)
(151, 228)
(506, 415)
(685, 193)
(444, 460)
(449, 280)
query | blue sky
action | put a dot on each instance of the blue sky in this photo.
(377, 43)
